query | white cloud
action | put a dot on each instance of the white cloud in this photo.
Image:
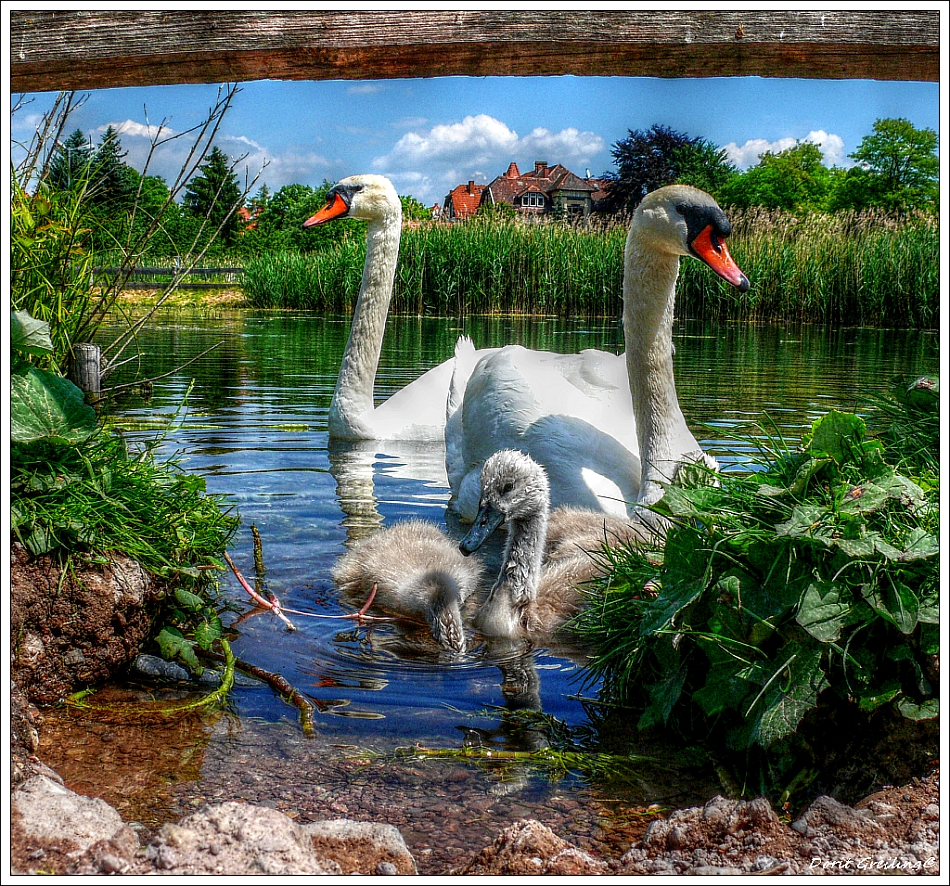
(365, 88)
(289, 167)
(145, 130)
(478, 148)
(746, 155)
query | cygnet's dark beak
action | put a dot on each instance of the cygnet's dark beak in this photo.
(486, 522)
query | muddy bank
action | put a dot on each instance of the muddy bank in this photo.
(232, 826)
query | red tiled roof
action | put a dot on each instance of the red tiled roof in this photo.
(465, 199)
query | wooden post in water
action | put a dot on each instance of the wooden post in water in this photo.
(85, 372)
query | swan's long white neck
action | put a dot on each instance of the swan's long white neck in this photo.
(353, 396)
(649, 295)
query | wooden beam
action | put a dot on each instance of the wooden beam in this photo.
(55, 50)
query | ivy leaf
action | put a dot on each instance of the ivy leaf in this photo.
(172, 643)
(208, 631)
(189, 600)
(791, 691)
(929, 710)
(874, 698)
(822, 613)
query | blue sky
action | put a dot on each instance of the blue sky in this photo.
(430, 134)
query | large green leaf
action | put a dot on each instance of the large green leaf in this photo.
(792, 691)
(29, 335)
(864, 499)
(665, 691)
(895, 602)
(920, 544)
(929, 710)
(671, 600)
(822, 612)
(836, 434)
(46, 406)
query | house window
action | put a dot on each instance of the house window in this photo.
(532, 200)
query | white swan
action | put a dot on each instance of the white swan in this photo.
(419, 574)
(417, 411)
(537, 589)
(592, 419)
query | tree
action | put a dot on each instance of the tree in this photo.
(72, 162)
(413, 210)
(897, 168)
(214, 194)
(791, 179)
(112, 185)
(649, 159)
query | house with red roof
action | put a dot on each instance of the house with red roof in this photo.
(462, 202)
(543, 190)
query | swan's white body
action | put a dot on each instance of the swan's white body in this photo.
(593, 419)
(418, 573)
(548, 554)
(417, 411)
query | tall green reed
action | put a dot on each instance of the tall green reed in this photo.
(863, 269)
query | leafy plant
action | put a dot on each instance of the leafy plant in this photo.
(814, 578)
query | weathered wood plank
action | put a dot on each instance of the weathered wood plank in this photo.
(53, 50)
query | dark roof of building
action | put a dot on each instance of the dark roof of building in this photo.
(548, 180)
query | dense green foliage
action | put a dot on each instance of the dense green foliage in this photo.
(791, 179)
(649, 159)
(868, 269)
(76, 491)
(213, 194)
(896, 170)
(816, 577)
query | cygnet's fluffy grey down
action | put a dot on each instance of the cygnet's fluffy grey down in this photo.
(547, 554)
(419, 574)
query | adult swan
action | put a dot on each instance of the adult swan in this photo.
(593, 419)
(417, 411)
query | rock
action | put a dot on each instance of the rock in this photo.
(83, 834)
(826, 815)
(76, 629)
(361, 847)
(528, 847)
(236, 839)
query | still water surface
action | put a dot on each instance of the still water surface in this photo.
(255, 427)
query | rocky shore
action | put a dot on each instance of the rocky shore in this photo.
(56, 830)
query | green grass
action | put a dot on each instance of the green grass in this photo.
(868, 270)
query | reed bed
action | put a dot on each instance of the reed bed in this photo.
(859, 269)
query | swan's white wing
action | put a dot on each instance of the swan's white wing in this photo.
(417, 411)
(570, 412)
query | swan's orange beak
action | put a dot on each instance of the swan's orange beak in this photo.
(711, 248)
(336, 206)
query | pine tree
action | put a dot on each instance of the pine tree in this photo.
(113, 185)
(214, 193)
(71, 163)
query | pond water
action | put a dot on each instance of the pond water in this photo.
(255, 427)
